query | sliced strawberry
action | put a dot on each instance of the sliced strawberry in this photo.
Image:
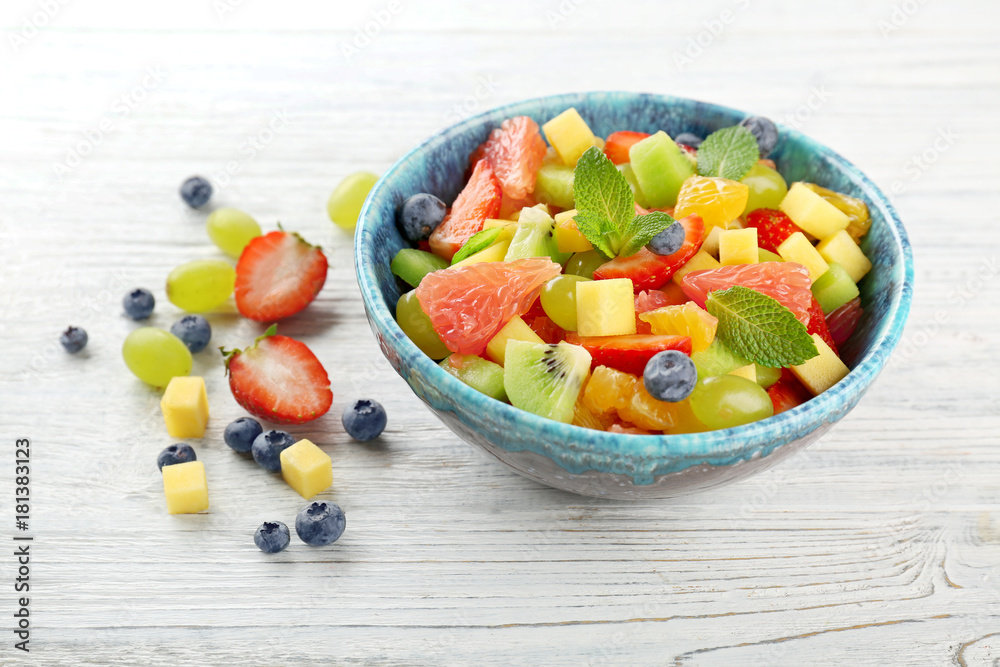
(650, 271)
(817, 324)
(278, 275)
(843, 321)
(479, 200)
(628, 353)
(279, 379)
(772, 226)
(646, 301)
(787, 392)
(515, 150)
(547, 330)
(619, 143)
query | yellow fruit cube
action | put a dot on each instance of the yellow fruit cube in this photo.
(516, 329)
(605, 307)
(812, 213)
(711, 244)
(570, 135)
(797, 248)
(749, 372)
(495, 253)
(738, 246)
(568, 235)
(185, 407)
(701, 261)
(683, 320)
(768, 256)
(821, 372)
(718, 201)
(306, 468)
(185, 487)
(841, 249)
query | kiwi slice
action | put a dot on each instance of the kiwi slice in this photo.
(412, 265)
(535, 237)
(545, 379)
(482, 375)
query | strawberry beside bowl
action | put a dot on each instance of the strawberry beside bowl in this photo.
(615, 465)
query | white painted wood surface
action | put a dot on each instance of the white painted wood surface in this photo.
(878, 546)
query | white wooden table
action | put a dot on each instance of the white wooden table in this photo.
(878, 546)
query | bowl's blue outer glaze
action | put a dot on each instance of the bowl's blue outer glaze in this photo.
(618, 465)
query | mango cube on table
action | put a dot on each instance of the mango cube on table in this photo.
(797, 248)
(306, 468)
(185, 487)
(605, 307)
(823, 371)
(185, 407)
(841, 249)
(570, 135)
(738, 246)
(812, 213)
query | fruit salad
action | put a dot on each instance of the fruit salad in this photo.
(635, 283)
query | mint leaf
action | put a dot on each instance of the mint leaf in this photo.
(604, 201)
(757, 327)
(728, 153)
(641, 230)
(477, 242)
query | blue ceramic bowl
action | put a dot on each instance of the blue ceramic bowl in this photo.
(607, 464)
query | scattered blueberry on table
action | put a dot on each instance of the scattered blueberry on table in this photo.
(174, 454)
(241, 433)
(267, 448)
(139, 303)
(196, 191)
(272, 537)
(320, 523)
(194, 331)
(73, 339)
(364, 419)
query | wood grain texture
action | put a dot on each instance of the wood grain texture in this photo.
(878, 546)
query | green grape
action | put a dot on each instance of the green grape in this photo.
(725, 401)
(767, 188)
(345, 203)
(418, 328)
(231, 230)
(559, 300)
(155, 356)
(584, 263)
(767, 376)
(201, 285)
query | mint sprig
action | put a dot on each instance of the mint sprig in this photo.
(759, 328)
(605, 208)
(728, 153)
(477, 242)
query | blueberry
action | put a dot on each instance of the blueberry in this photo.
(241, 433)
(420, 215)
(272, 537)
(320, 523)
(688, 139)
(364, 419)
(196, 191)
(194, 331)
(73, 339)
(670, 376)
(179, 453)
(267, 448)
(764, 131)
(668, 241)
(139, 303)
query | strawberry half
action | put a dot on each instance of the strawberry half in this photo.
(817, 325)
(278, 275)
(772, 226)
(628, 353)
(619, 143)
(648, 270)
(279, 379)
(787, 392)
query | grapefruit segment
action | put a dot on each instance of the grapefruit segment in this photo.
(479, 200)
(787, 282)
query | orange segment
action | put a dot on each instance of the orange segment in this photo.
(718, 201)
(684, 320)
(612, 392)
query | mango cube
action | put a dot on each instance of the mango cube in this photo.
(605, 307)
(494, 253)
(821, 372)
(185, 407)
(516, 329)
(749, 372)
(797, 248)
(711, 243)
(306, 468)
(738, 246)
(841, 249)
(185, 487)
(701, 261)
(812, 213)
(570, 135)
(568, 235)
